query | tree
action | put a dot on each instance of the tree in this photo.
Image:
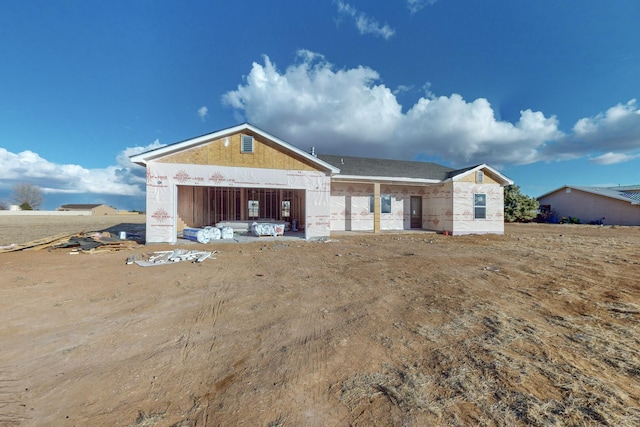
(4, 206)
(517, 206)
(28, 196)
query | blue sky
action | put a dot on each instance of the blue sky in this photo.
(545, 91)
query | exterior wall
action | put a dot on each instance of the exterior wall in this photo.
(463, 209)
(164, 178)
(591, 207)
(445, 207)
(96, 210)
(104, 210)
(350, 209)
(227, 152)
(438, 207)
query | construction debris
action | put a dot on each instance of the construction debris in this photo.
(89, 242)
(169, 257)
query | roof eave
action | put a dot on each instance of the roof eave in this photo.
(360, 178)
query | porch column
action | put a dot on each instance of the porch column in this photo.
(376, 207)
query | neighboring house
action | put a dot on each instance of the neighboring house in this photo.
(245, 174)
(603, 205)
(95, 209)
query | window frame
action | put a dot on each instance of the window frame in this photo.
(253, 206)
(382, 204)
(479, 205)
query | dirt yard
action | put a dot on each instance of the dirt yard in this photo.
(535, 327)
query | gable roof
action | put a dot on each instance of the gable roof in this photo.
(456, 175)
(143, 158)
(617, 193)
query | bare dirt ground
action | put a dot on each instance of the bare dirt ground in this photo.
(535, 327)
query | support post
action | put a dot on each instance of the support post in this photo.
(376, 207)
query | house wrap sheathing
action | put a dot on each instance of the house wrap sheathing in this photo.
(243, 174)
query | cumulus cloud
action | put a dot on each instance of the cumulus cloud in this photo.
(613, 135)
(122, 179)
(202, 112)
(364, 23)
(352, 112)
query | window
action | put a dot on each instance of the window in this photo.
(286, 208)
(246, 144)
(254, 211)
(479, 206)
(479, 177)
(385, 203)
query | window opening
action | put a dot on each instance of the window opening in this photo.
(254, 208)
(480, 206)
(286, 208)
(385, 203)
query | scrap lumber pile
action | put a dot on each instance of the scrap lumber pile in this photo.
(169, 257)
(91, 242)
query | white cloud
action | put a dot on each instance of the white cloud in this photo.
(351, 112)
(417, 5)
(613, 158)
(364, 23)
(122, 179)
(202, 112)
(615, 134)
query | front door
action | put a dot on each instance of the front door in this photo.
(416, 212)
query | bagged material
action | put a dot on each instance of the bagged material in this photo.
(214, 232)
(226, 233)
(267, 229)
(196, 234)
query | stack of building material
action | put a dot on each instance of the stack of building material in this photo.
(169, 257)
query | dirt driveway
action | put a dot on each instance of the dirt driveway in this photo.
(536, 327)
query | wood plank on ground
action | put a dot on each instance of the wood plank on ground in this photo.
(38, 243)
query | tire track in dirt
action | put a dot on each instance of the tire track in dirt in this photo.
(13, 410)
(306, 362)
(204, 323)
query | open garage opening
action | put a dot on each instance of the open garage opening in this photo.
(212, 206)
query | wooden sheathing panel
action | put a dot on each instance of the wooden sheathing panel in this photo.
(227, 152)
(487, 179)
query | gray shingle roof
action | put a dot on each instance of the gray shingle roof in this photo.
(626, 188)
(633, 196)
(363, 166)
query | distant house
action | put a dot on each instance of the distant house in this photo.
(96, 209)
(245, 174)
(607, 205)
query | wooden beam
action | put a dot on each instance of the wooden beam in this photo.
(376, 207)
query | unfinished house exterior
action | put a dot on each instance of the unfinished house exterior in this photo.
(618, 205)
(244, 174)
